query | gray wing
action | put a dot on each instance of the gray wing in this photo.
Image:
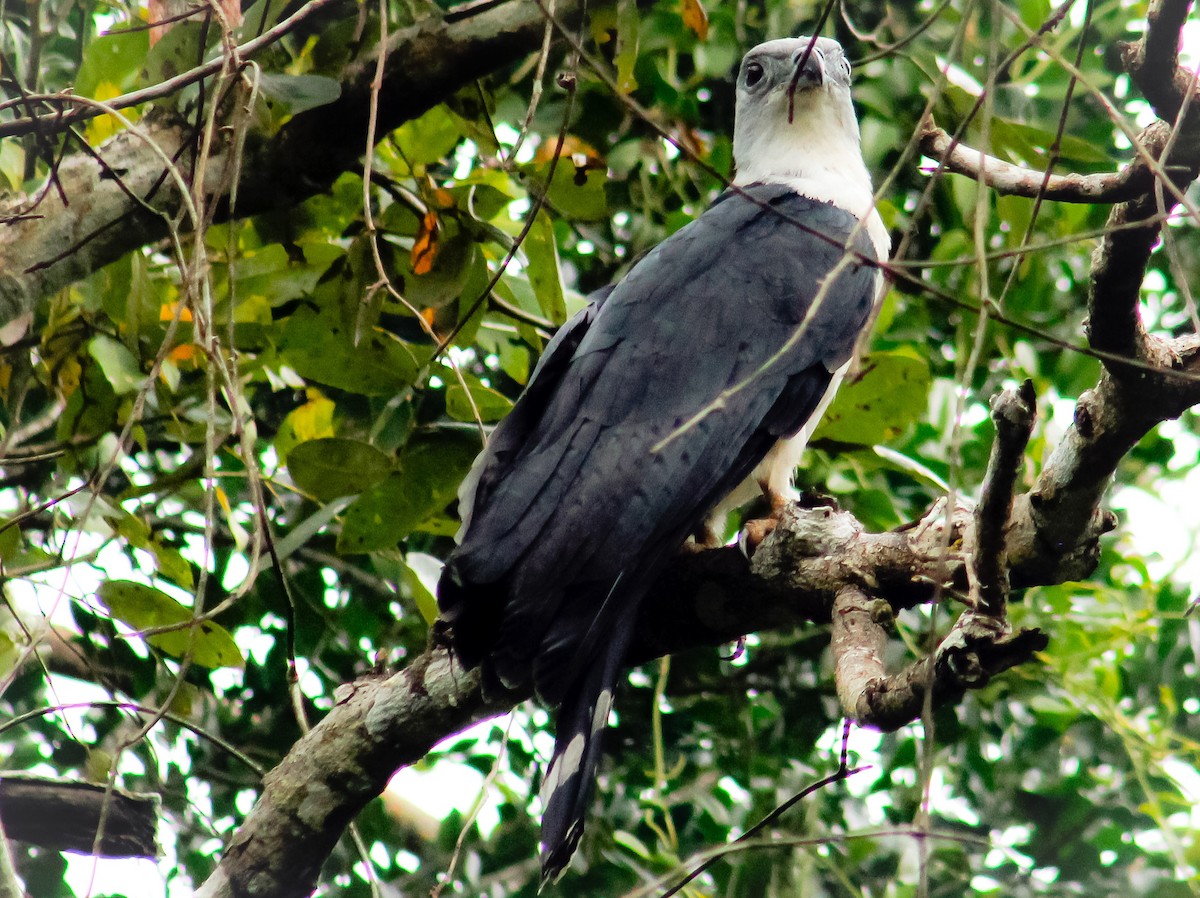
(589, 484)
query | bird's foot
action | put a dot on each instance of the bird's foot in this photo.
(758, 529)
(754, 532)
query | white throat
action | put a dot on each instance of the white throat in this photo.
(818, 155)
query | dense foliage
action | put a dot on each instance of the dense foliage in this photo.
(260, 418)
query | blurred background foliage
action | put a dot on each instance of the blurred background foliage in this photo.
(136, 465)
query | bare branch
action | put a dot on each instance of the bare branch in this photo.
(1119, 266)
(1006, 178)
(66, 114)
(977, 648)
(1013, 413)
(705, 599)
(378, 725)
(858, 641)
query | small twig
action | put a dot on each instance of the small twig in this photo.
(1013, 413)
(64, 118)
(840, 774)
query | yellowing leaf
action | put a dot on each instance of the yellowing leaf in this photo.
(424, 251)
(571, 146)
(187, 352)
(167, 311)
(695, 17)
(103, 127)
(67, 376)
(314, 419)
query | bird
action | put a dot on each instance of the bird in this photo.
(673, 396)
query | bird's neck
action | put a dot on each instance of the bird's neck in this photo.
(823, 166)
(819, 157)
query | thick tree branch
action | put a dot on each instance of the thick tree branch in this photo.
(858, 639)
(705, 599)
(1013, 413)
(1153, 61)
(1061, 515)
(65, 816)
(977, 648)
(101, 212)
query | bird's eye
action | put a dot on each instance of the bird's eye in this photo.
(754, 73)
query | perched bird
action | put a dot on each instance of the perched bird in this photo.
(680, 392)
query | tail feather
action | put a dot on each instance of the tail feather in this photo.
(567, 788)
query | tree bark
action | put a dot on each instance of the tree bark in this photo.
(108, 202)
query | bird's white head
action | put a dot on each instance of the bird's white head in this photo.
(795, 122)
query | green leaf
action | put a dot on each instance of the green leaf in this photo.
(177, 51)
(16, 555)
(627, 45)
(319, 348)
(112, 58)
(299, 93)
(458, 257)
(424, 600)
(143, 607)
(428, 138)
(120, 367)
(332, 467)
(430, 472)
(541, 254)
(576, 191)
(889, 394)
(270, 273)
(490, 404)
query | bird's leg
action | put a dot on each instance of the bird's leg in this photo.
(755, 531)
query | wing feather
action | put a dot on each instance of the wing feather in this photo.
(590, 476)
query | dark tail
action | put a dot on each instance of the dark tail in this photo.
(567, 788)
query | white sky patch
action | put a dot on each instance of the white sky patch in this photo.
(448, 785)
(1163, 525)
(112, 876)
(959, 78)
(465, 158)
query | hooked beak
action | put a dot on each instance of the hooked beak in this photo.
(810, 74)
(810, 67)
